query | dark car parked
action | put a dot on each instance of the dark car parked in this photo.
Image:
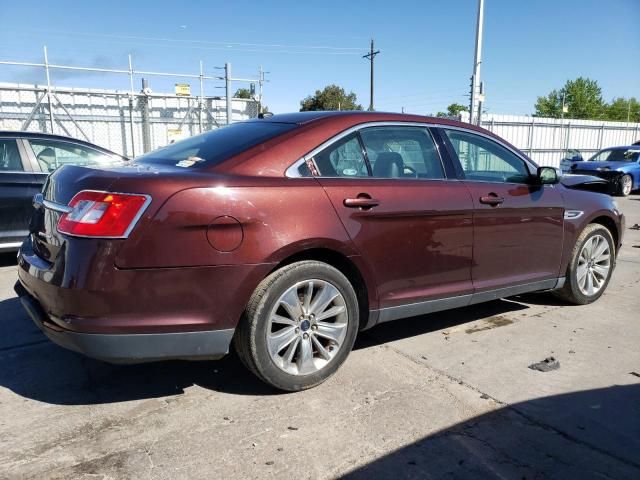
(26, 159)
(286, 236)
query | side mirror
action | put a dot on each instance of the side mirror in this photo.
(573, 156)
(547, 176)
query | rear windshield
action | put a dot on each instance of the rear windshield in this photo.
(215, 146)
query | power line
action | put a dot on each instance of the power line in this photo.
(206, 42)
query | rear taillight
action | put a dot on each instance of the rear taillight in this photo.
(102, 214)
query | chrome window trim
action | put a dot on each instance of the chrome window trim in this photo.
(292, 172)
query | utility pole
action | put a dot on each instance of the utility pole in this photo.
(227, 80)
(370, 56)
(260, 82)
(628, 110)
(477, 60)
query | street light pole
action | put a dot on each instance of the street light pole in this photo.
(477, 60)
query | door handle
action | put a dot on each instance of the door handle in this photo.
(361, 202)
(491, 199)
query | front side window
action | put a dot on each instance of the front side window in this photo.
(343, 158)
(402, 152)
(52, 154)
(10, 157)
(485, 160)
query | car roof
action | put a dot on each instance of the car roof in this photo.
(357, 116)
(622, 147)
(50, 136)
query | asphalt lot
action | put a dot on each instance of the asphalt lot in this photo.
(444, 395)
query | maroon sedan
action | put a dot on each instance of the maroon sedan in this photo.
(287, 235)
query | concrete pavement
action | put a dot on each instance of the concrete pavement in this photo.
(441, 395)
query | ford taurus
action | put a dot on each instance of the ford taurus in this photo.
(285, 236)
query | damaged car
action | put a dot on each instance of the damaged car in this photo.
(283, 237)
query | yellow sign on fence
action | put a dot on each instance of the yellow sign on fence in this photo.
(183, 89)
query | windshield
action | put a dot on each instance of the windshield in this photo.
(617, 155)
(213, 147)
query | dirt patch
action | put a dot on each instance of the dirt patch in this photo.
(493, 322)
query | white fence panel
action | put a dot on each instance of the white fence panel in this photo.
(546, 140)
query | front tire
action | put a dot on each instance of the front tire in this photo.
(590, 267)
(626, 185)
(299, 326)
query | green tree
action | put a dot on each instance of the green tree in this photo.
(582, 98)
(624, 109)
(242, 93)
(246, 93)
(332, 97)
(453, 110)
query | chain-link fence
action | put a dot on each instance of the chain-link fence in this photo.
(128, 122)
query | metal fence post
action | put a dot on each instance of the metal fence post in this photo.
(601, 137)
(131, 98)
(227, 79)
(533, 120)
(201, 99)
(46, 69)
(146, 128)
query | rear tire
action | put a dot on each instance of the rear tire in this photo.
(299, 326)
(590, 267)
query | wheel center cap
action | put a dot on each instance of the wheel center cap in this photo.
(305, 325)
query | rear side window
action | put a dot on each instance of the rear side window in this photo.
(10, 157)
(216, 146)
(402, 152)
(52, 154)
(343, 158)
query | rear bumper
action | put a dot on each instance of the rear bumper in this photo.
(130, 348)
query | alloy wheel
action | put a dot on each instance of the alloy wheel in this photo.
(307, 327)
(626, 185)
(594, 264)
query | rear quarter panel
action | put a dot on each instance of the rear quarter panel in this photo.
(277, 217)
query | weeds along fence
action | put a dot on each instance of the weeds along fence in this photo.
(547, 140)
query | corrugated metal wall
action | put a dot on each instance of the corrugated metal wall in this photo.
(546, 140)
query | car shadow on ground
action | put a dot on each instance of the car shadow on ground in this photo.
(585, 434)
(411, 327)
(35, 368)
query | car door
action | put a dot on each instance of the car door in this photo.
(18, 185)
(518, 224)
(411, 224)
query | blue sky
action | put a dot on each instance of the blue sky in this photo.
(530, 47)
